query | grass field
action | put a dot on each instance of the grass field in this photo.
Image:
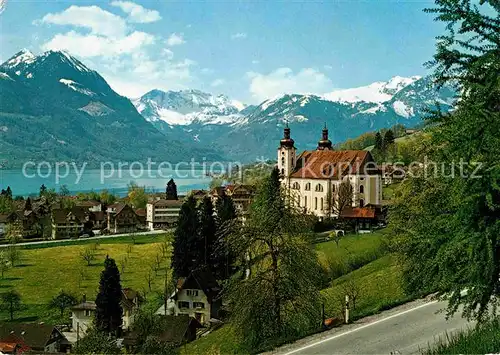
(43, 271)
(482, 340)
(375, 271)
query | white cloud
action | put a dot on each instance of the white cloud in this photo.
(255, 62)
(175, 39)
(217, 82)
(327, 67)
(284, 80)
(137, 13)
(95, 45)
(97, 20)
(239, 35)
(168, 53)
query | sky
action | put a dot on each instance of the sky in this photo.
(248, 50)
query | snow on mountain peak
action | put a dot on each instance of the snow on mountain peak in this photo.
(187, 106)
(23, 56)
(377, 92)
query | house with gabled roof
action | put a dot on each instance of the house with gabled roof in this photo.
(32, 337)
(198, 296)
(314, 176)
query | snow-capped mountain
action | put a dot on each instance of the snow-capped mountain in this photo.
(255, 131)
(378, 92)
(186, 107)
(52, 106)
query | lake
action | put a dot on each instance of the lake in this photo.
(28, 182)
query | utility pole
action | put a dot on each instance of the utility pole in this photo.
(347, 309)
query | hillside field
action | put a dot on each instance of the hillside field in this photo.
(43, 271)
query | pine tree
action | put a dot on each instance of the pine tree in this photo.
(225, 209)
(171, 190)
(226, 220)
(43, 189)
(388, 139)
(186, 253)
(207, 230)
(108, 317)
(379, 142)
(8, 193)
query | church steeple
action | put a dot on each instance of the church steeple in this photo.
(325, 143)
(287, 154)
(286, 141)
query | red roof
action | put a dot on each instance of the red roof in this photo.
(327, 164)
(358, 212)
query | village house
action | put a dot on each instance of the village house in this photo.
(174, 330)
(90, 205)
(197, 296)
(30, 337)
(314, 176)
(162, 213)
(5, 220)
(241, 195)
(364, 219)
(82, 314)
(122, 218)
(68, 223)
(392, 173)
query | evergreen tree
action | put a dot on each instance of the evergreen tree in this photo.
(43, 188)
(226, 220)
(225, 209)
(388, 139)
(379, 142)
(207, 230)
(27, 204)
(186, 253)
(171, 190)
(8, 193)
(108, 317)
(447, 226)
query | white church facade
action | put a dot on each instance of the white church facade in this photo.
(314, 176)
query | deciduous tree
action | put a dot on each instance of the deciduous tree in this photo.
(282, 274)
(10, 302)
(62, 301)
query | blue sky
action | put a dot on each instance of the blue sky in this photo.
(248, 50)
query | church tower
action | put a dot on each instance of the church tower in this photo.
(287, 154)
(325, 143)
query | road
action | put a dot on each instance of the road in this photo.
(405, 330)
(90, 238)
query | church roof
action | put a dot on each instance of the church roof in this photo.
(330, 164)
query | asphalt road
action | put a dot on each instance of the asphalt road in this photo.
(400, 331)
(89, 238)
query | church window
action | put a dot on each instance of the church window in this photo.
(321, 204)
(361, 203)
(315, 203)
(282, 161)
(319, 188)
(361, 189)
(296, 186)
(305, 201)
(282, 171)
(308, 187)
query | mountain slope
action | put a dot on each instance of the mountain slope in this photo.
(254, 131)
(52, 107)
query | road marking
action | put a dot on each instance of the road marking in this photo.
(359, 328)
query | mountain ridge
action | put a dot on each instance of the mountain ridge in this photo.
(87, 122)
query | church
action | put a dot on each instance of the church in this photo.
(315, 175)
